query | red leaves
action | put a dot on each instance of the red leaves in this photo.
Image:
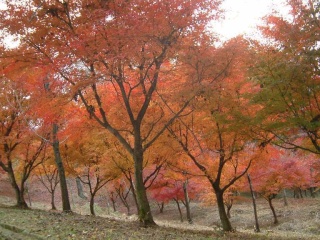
(281, 170)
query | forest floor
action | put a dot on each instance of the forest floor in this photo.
(299, 220)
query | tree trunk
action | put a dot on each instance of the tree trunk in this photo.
(128, 209)
(134, 195)
(187, 200)
(226, 225)
(92, 205)
(145, 215)
(285, 200)
(269, 199)
(53, 206)
(28, 193)
(312, 193)
(124, 202)
(114, 205)
(300, 193)
(229, 206)
(257, 228)
(108, 206)
(113, 200)
(161, 207)
(63, 182)
(297, 193)
(21, 203)
(179, 209)
(80, 188)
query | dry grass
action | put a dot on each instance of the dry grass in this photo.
(299, 220)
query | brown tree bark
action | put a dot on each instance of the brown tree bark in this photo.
(229, 206)
(269, 199)
(80, 188)
(58, 160)
(123, 195)
(49, 180)
(19, 192)
(257, 228)
(285, 200)
(53, 206)
(145, 215)
(92, 205)
(226, 225)
(161, 207)
(187, 201)
(113, 201)
(179, 209)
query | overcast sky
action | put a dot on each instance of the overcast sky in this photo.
(242, 16)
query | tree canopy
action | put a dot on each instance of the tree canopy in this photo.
(139, 97)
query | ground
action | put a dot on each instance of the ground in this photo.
(299, 220)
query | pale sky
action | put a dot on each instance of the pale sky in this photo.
(242, 16)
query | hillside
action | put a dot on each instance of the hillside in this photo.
(299, 220)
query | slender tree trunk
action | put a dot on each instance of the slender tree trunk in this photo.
(123, 199)
(300, 193)
(297, 193)
(92, 205)
(28, 193)
(312, 192)
(285, 200)
(179, 209)
(80, 188)
(187, 200)
(53, 206)
(108, 206)
(128, 209)
(229, 206)
(161, 207)
(114, 205)
(113, 200)
(63, 182)
(145, 215)
(269, 199)
(257, 228)
(226, 225)
(134, 195)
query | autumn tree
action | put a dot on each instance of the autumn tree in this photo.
(171, 186)
(46, 104)
(113, 196)
(287, 71)
(51, 109)
(114, 51)
(214, 136)
(269, 180)
(231, 195)
(122, 189)
(47, 174)
(20, 150)
(156, 161)
(282, 169)
(87, 158)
